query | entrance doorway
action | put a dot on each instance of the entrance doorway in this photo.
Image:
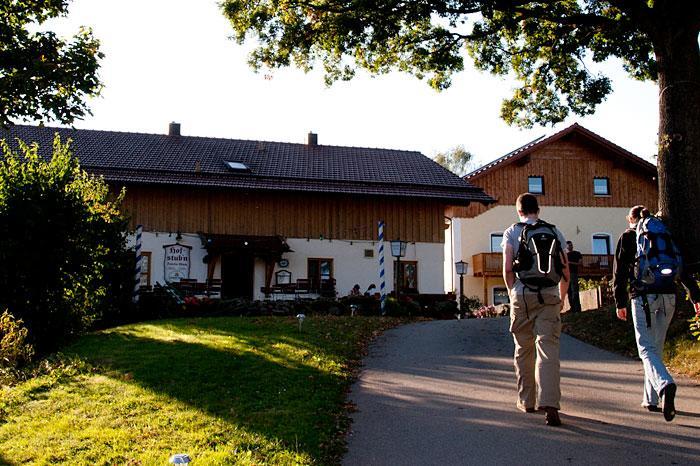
(237, 271)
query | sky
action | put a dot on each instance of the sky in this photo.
(174, 60)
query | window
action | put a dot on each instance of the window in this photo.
(601, 187)
(236, 166)
(500, 296)
(496, 239)
(601, 243)
(319, 270)
(407, 276)
(145, 269)
(535, 184)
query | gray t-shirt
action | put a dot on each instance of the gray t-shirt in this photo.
(512, 236)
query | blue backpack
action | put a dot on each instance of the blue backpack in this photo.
(658, 261)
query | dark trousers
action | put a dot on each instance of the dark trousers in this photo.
(574, 301)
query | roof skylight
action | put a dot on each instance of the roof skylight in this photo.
(236, 166)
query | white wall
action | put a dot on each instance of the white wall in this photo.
(349, 264)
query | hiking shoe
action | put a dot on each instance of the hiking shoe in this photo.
(668, 395)
(653, 409)
(551, 417)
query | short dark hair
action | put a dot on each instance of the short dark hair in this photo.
(569, 242)
(527, 204)
(639, 211)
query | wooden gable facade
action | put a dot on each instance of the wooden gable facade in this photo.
(568, 163)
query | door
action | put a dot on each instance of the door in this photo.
(237, 271)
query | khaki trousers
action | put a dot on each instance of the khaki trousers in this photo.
(536, 328)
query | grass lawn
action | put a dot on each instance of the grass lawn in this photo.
(601, 328)
(224, 390)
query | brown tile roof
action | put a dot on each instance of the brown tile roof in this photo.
(137, 158)
(532, 146)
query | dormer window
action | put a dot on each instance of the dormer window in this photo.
(601, 187)
(535, 184)
(236, 166)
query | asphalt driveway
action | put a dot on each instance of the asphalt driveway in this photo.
(443, 393)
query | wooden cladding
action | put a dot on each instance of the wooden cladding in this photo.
(568, 167)
(285, 214)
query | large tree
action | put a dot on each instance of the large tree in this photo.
(546, 45)
(42, 76)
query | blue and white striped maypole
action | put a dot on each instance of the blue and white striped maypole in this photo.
(382, 283)
(137, 270)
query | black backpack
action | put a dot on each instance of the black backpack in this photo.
(538, 263)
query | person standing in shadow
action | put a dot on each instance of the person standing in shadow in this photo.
(574, 258)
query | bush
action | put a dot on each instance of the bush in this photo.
(363, 305)
(491, 311)
(14, 351)
(471, 304)
(446, 309)
(62, 235)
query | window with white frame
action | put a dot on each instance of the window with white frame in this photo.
(535, 184)
(601, 243)
(601, 186)
(496, 239)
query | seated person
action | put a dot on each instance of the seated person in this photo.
(355, 290)
(370, 289)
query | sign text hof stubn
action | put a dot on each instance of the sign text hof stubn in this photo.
(177, 262)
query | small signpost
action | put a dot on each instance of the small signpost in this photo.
(177, 262)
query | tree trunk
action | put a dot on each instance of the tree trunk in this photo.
(678, 59)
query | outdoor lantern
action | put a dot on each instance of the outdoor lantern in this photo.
(398, 248)
(300, 318)
(461, 267)
(180, 458)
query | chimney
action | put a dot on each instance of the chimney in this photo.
(312, 139)
(174, 129)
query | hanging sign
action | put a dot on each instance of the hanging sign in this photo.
(177, 262)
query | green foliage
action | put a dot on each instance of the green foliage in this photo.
(63, 244)
(590, 284)
(41, 75)
(547, 46)
(14, 351)
(446, 309)
(458, 160)
(471, 303)
(695, 326)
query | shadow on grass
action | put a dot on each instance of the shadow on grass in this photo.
(259, 388)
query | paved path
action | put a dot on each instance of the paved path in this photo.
(443, 393)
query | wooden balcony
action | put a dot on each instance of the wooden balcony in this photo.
(596, 266)
(490, 264)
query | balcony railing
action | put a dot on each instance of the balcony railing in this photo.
(490, 264)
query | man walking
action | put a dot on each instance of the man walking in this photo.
(536, 273)
(574, 257)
